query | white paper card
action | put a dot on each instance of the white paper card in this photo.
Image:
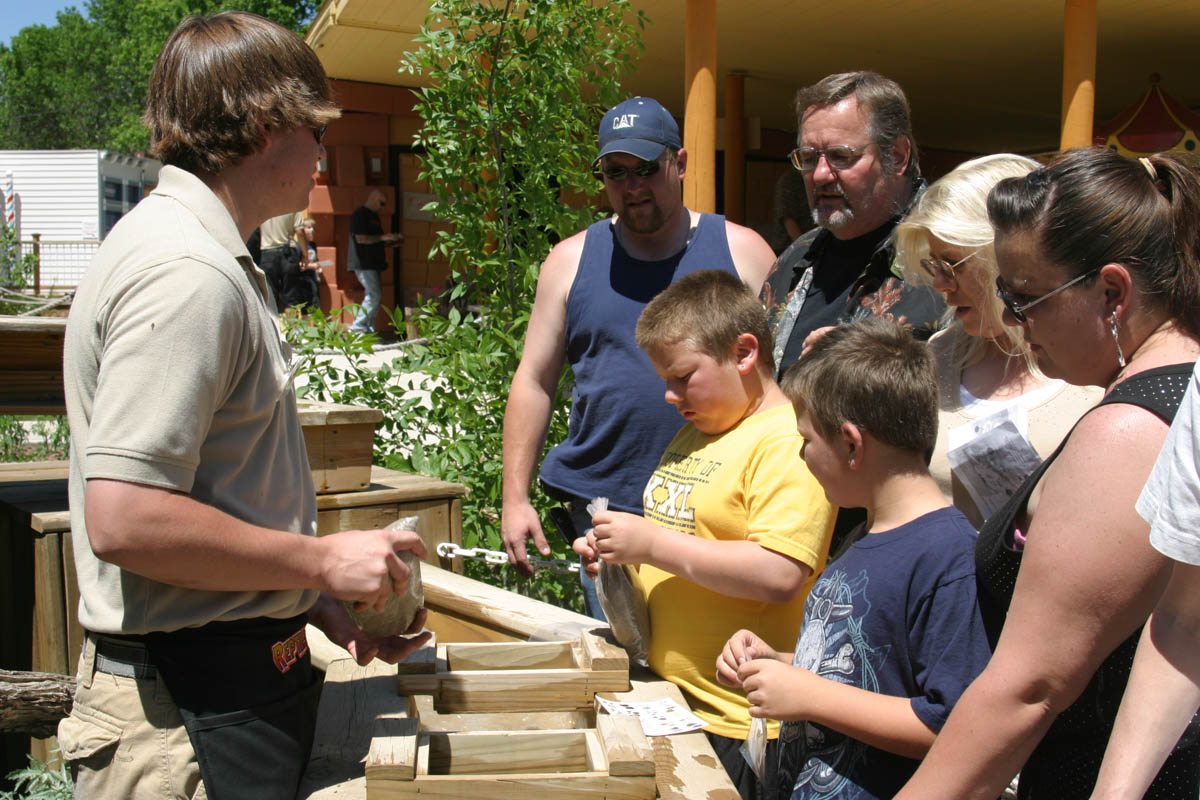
(992, 456)
(658, 717)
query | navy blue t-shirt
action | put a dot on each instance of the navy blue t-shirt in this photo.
(896, 614)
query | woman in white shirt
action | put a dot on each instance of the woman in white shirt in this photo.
(998, 415)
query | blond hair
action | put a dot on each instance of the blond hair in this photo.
(708, 310)
(954, 210)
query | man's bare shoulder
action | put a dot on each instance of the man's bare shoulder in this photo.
(751, 254)
(560, 266)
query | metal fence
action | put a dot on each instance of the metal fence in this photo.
(60, 265)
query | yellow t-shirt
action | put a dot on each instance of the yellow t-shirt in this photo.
(748, 483)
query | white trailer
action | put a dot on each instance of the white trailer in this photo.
(71, 199)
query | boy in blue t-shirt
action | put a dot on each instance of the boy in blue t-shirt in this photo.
(892, 633)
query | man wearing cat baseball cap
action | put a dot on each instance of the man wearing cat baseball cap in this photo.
(591, 290)
(640, 127)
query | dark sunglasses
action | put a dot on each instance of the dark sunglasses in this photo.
(642, 170)
(837, 156)
(319, 133)
(1018, 309)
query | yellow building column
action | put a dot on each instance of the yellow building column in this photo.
(735, 147)
(700, 109)
(1079, 74)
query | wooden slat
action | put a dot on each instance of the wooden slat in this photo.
(506, 753)
(599, 653)
(625, 745)
(566, 786)
(422, 661)
(513, 690)
(391, 486)
(505, 611)
(518, 655)
(393, 752)
(34, 471)
(685, 766)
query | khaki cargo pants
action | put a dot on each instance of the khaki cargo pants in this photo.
(125, 738)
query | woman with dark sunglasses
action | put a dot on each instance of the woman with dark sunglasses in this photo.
(998, 415)
(1099, 260)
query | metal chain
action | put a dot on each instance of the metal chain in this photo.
(497, 557)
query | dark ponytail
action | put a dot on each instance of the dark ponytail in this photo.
(1092, 206)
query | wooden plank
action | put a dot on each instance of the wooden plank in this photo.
(391, 486)
(566, 786)
(71, 604)
(421, 661)
(602, 652)
(49, 611)
(597, 759)
(434, 721)
(315, 412)
(453, 628)
(352, 698)
(34, 471)
(506, 611)
(685, 766)
(506, 753)
(393, 752)
(515, 655)
(626, 746)
(512, 690)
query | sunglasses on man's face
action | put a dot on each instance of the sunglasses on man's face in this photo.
(642, 170)
(837, 156)
(319, 133)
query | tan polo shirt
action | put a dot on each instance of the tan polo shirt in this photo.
(177, 376)
(277, 231)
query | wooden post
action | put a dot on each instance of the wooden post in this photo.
(1079, 73)
(700, 111)
(735, 147)
(37, 263)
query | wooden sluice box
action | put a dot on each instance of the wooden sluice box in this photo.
(606, 757)
(501, 721)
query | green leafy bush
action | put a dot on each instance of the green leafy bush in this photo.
(40, 781)
(517, 89)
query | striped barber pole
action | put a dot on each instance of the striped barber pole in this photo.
(10, 201)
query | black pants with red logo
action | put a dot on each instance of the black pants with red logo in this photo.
(248, 697)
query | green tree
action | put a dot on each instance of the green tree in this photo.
(510, 119)
(82, 82)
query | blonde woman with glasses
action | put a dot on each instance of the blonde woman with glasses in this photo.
(999, 416)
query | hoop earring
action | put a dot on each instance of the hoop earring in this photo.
(1112, 326)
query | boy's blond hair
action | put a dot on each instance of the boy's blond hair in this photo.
(707, 310)
(872, 373)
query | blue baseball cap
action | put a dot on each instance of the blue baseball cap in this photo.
(641, 127)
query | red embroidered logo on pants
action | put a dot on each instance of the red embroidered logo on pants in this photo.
(290, 650)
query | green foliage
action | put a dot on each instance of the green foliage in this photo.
(509, 126)
(82, 82)
(40, 781)
(16, 270)
(34, 438)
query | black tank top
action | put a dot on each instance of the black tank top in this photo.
(1066, 762)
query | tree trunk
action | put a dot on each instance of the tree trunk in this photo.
(34, 702)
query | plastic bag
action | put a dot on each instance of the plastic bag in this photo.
(754, 749)
(624, 601)
(400, 610)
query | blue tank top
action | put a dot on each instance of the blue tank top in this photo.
(620, 423)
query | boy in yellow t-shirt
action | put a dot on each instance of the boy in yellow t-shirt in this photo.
(735, 526)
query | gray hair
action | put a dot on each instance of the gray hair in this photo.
(890, 117)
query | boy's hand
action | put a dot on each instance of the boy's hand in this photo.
(743, 646)
(777, 690)
(622, 538)
(585, 548)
